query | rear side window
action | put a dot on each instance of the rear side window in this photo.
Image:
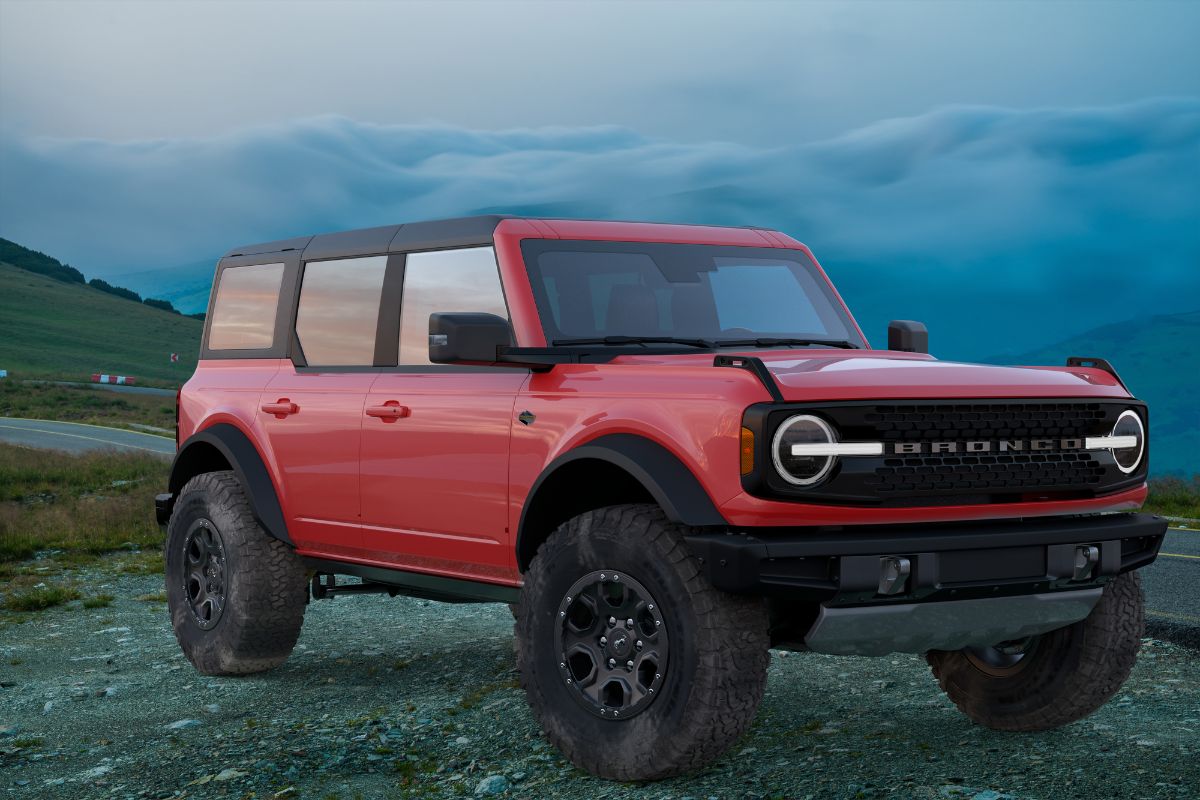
(339, 311)
(244, 310)
(445, 281)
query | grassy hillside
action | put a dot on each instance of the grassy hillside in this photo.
(1159, 361)
(67, 330)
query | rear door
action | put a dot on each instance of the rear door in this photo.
(312, 410)
(246, 334)
(435, 470)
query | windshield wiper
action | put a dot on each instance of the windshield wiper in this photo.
(770, 342)
(707, 344)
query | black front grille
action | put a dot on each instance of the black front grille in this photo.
(988, 422)
(961, 422)
(986, 473)
(988, 476)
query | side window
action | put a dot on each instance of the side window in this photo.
(445, 281)
(244, 310)
(339, 311)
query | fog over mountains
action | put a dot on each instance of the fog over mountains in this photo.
(1003, 230)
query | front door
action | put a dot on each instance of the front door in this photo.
(435, 470)
(312, 410)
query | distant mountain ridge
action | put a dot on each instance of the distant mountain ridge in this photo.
(1158, 359)
(186, 286)
(41, 264)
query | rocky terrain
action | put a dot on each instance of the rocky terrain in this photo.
(408, 698)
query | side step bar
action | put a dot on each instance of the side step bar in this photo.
(381, 580)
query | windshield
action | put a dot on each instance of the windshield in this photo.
(587, 290)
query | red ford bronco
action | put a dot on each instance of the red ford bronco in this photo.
(671, 448)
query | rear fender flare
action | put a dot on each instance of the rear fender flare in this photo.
(244, 459)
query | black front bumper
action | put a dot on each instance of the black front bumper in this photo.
(948, 561)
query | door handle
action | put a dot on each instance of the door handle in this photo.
(389, 411)
(280, 408)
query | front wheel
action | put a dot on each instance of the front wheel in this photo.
(635, 666)
(1050, 680)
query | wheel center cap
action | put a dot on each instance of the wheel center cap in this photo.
(622, 644)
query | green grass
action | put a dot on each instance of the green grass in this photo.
(28, 742)
(82, 404)
(1175, 497)
(82, 505)
(39, 598)
(61, 330)
(99, 601)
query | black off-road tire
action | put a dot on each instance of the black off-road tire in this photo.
(265, 583)
(717, 666)
(1065, 675)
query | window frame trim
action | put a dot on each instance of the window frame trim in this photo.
(397, 367)
(289, 285)
(387, 329)
(295, 350)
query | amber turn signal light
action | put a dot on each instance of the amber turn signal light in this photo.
(747, 451)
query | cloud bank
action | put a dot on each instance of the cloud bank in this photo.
(998, 227)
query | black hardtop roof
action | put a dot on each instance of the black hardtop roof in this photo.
(435, 234)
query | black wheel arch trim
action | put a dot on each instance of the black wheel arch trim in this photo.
(668, 480)
(247, 465)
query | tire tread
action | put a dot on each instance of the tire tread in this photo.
(263, 617)
(732, 640)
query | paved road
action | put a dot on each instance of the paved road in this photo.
(78, 438)
(1172, 583)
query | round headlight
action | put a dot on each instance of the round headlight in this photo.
(801, 470)
(1128, 458)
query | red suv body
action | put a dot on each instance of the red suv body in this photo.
(425, 406)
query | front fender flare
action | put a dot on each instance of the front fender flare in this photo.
(243, 457)
(667, 479)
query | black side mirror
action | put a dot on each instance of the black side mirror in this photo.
(908, 336)
(467, 338)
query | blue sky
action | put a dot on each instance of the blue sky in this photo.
(974, 165)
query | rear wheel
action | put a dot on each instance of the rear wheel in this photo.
(236, 595)
(634, 665)
(1050, 680)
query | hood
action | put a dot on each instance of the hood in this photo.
(815, 375)
(890, 375)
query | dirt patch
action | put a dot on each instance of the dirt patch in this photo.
(401, 697)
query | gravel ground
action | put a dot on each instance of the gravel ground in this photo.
(398, 697)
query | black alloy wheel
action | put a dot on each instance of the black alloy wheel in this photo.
(204, 575)
(613, 644)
